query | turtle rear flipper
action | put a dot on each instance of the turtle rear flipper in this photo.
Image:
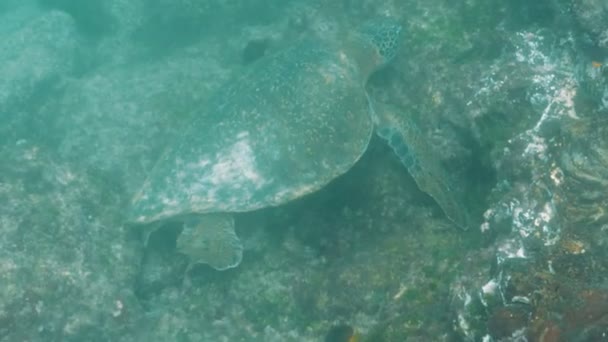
(421, 160)
(210, 239)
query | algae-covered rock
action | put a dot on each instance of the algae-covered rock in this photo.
(37, 49)
(66, 262)
(118, 120)
(544, 214)
(592, 16)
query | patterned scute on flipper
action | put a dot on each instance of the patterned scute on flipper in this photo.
(397, 143)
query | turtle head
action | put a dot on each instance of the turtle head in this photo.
(384, 34)
(375, 44)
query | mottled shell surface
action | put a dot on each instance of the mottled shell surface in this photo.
(285, 128)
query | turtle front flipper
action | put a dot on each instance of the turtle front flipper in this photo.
(420, 159)
(210, 239)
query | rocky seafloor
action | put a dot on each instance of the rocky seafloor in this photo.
(513, 95)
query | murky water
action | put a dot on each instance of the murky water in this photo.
(248, 131)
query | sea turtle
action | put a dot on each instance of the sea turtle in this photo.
(283, 129)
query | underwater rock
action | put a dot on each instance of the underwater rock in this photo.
(107, 27)
(583, 163)
(569, 304)
(66, 264)
(592, 16)
(547, 217)
(592, 77)
(118, 120)
(254, 50)
(90, 16)
(341, 333)
(507, 321)
(36, 50)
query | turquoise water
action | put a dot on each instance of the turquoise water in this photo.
(333, 239)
